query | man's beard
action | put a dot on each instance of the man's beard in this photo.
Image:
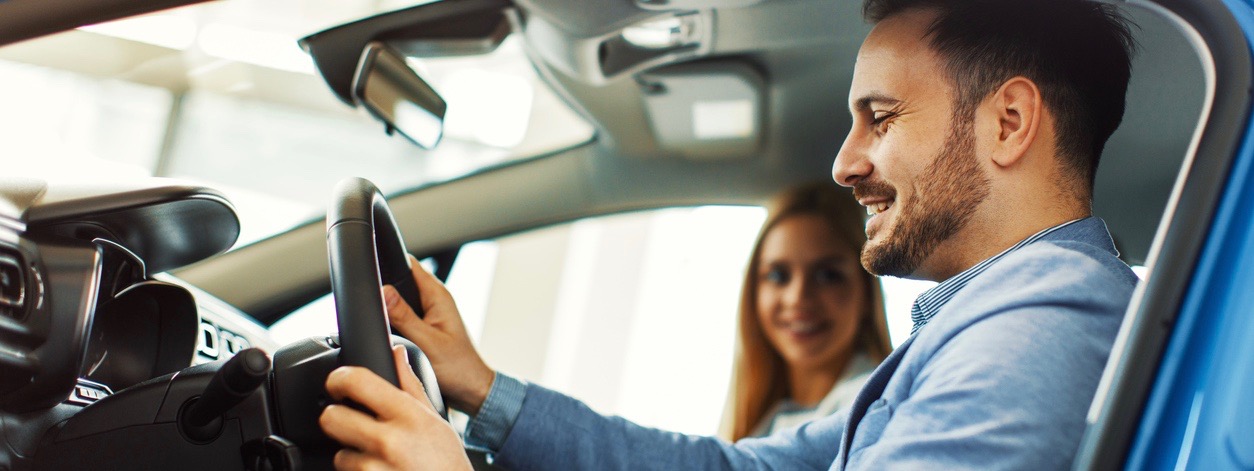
(942, 204)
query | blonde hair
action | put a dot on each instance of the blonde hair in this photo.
(759, 375)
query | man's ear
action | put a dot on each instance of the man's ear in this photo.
(1019, 114)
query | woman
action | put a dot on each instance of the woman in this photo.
(811, 319)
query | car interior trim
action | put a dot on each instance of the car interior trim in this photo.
(41, 17)
(1152, 315)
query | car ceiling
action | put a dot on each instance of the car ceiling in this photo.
(802, 51)
(173, 68)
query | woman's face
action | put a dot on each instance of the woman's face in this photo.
(810, 292)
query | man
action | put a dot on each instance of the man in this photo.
(977, 126)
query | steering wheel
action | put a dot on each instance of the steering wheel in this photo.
(366, 252)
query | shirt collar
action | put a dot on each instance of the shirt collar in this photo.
(932, 300)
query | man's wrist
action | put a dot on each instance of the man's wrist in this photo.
(489, 428)
(471, 400)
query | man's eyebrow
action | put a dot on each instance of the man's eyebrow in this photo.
(864, 103)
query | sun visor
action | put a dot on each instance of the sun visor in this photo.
(706, 111)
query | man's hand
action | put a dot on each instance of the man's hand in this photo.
(406, 432)
(464, 378)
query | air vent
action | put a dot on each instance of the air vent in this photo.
(12, 285)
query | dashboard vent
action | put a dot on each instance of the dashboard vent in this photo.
(12, 284)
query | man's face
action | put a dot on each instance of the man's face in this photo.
(910, 161)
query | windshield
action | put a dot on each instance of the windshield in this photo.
(221, 94)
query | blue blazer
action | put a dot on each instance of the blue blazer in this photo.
(1001, 378)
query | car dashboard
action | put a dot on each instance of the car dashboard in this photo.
(85, 309)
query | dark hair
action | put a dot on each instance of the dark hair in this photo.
(1077, 51)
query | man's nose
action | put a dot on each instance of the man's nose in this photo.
(851, 164)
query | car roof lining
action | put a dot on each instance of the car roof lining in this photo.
(25, 19)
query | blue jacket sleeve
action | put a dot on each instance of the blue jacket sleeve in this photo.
(554, 431)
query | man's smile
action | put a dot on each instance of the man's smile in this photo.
(876, 208)
(878, 198)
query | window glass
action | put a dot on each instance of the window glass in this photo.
(278, 162)
(221, 94)
(469, 282)
(64, 123)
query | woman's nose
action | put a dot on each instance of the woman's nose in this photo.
(798, 290)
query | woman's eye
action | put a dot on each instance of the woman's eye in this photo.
(777, 276)
(828, 275)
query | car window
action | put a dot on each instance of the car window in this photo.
(633, 313)
(222, 95)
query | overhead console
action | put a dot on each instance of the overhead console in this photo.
(78, 309)
(646, 39)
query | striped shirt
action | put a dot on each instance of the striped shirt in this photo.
(932, 300)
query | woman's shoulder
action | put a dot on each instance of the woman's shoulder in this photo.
(786, 414)
(846, 389)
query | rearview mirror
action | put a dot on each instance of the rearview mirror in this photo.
(391, 92)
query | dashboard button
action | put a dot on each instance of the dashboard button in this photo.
(87, 392)
(208, 344)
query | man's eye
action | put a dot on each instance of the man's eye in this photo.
(881, 120)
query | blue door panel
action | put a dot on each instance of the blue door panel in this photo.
(1200, 414)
